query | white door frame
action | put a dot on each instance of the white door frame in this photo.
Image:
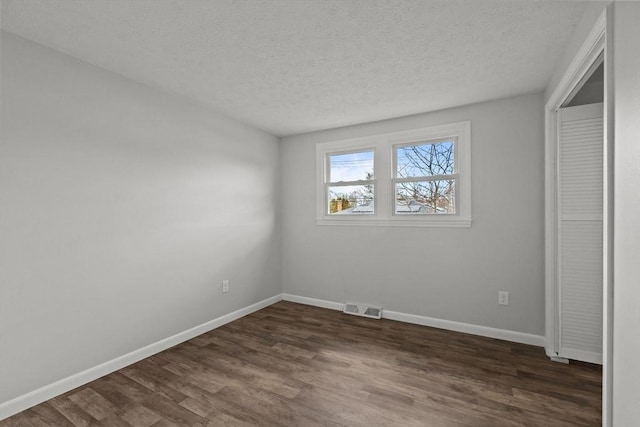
(594, 45)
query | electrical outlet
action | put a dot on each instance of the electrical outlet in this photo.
(503, 298)
(225, 286)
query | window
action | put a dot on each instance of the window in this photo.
(350, 187)
(424, 178)
(419, 177)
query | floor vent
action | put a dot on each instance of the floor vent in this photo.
(363, 310)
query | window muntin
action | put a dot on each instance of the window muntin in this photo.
(350, 186)
(424, 177)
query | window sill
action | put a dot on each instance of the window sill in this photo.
(397, 222)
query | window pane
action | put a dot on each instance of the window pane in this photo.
(352, 199)
(351, 167)
(425, 160)
(426, 197)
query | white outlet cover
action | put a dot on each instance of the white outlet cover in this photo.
(503, 298)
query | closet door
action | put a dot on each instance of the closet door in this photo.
(580, 238)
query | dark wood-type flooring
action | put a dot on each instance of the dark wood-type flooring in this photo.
(295, 365)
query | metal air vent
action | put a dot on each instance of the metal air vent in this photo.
(363, 310)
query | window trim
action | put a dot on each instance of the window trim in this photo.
(384, 175)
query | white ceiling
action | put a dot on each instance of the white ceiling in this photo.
(293, 66)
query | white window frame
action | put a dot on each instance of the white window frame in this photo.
(384, 146)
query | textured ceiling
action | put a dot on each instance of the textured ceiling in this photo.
(296, 66)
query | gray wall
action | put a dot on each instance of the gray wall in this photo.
(626, 269)
(122, 209)
(590, 93)
(446, 273)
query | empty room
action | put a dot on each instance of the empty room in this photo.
(319, 213)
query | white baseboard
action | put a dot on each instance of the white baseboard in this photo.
(484, 331)
(64, 385)
(314, 302)
(467, 328)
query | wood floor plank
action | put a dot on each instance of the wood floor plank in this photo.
(71, 411)
(295, 365)
(141, 416)
(93, 403)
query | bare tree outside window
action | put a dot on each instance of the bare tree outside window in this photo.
(425, 178)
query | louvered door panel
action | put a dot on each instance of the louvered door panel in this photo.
(580, 240)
